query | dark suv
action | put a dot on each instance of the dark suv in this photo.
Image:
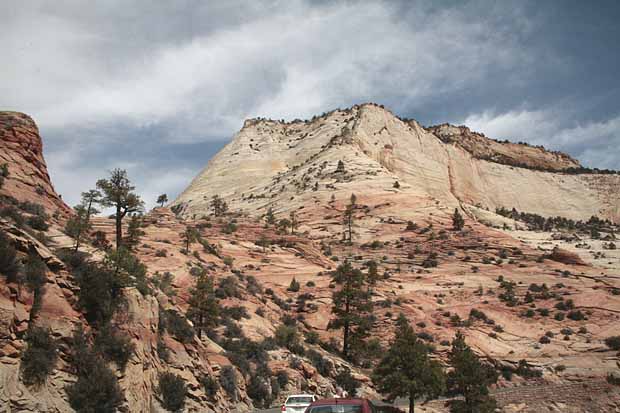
(342, 406)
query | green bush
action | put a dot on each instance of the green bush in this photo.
(228, 381)
(613, 342)
(294, 286)
(210, 385)
(172, 390)
(345, 380)
(99, 293)
(114, 346)
(39, 359)
(95, 391)
(9, 265)
(178, 326)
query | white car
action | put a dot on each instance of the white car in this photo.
(297, 403)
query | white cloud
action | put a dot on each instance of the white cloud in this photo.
(293, 60)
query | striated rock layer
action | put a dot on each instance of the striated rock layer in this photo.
(285, 165)
(21, 149)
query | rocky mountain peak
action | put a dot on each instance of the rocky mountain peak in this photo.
(21, 148)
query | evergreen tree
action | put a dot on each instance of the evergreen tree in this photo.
(348, 218)
(470, 379)
(80, 225)
(4, 173)
(352, 306)
(294, 222)
(283, 225)
(219, 206)
(340, 167)
(203, 305)
(457, 220)
(134, 231)
(269, 217)
(189, 236)
(407, 370)
(162, 200)
(118, 193)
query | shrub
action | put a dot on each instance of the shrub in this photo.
(312, 337)
(282, 378)
(576, 315)
(559, 316)
(323, 366)
(177, 325)
(525, 370)
(210, 385)
(39, 359)
(114, 346)
(99, 292)
(544, 340)
(345, 380)
(287, 336)
(613, 342)
(235, 312)
(228, 287)
(294, 286)
(228, 381)
(9, 265)
(310, 284)
(38, 222)
(172, 390)
(96, 389)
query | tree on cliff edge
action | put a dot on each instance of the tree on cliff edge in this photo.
(118, 193)
(162, 199)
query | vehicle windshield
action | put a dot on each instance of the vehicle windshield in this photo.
(299, 400)
(336, 408)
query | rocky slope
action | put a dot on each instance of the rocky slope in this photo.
(288, 165)
(433, 274)
(21, 148)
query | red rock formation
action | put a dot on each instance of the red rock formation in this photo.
(21, 149)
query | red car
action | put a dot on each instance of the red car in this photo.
(342, 406)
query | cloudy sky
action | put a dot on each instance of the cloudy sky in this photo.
(157, 87)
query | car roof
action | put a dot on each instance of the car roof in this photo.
(301, 395)
(350, 402)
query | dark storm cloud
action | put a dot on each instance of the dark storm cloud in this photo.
(158, 87)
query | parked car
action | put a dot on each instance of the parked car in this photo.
(342, 406)
(297, 403)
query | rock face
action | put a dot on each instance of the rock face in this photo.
(21, 149)
(285, 165)
(524, 285)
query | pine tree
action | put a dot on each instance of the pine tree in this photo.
(470, 379)
(340, 167)
(457, 220)
(134, 231)
(352, 306)
(162, 199)
(80, 225)
(203, 305)
(348, 218)
(219, 206)
(294, 222)
(407, 370)
(4, 173)
(189, 236)
(269, 217)
(118, 193)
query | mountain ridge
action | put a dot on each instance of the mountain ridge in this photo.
(456, 168)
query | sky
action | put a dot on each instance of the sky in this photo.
(158, 87)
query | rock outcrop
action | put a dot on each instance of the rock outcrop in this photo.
(21, 149)
(271, 163)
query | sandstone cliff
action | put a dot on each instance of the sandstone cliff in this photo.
(21, 149)
(270, 163)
